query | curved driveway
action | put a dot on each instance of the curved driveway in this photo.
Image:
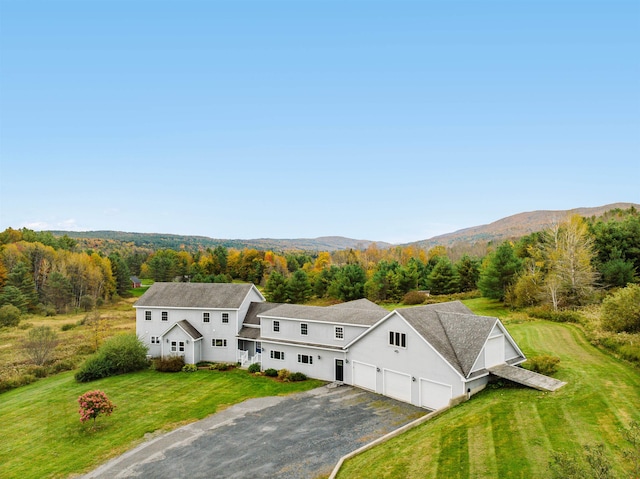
(298, 436)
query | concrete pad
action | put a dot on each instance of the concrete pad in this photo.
(290, 437)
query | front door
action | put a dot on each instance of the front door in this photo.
(339, 370)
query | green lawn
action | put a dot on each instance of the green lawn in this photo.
(511, 432)
(42, 435)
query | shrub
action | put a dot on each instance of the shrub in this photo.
(547, 365)
(47, 310)
(118, 355)
(189, 368)
(284, 375)
(272, 373)
(621, 310)
(13, 382)
(64, 365)
(94, 403)
(297, 377)
(169, 364)
(203, 364)
(563, 316)
(221, 366)
(67, 327)
(414, 297)
(38, 371)
(39, 344)
(87, 303)
(254, 368)
(9, 315)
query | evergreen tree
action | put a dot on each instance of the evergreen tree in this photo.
(276, 288)
(468, 270)
(443, 279)
(21, 278)
(13, 296)
(121, 274)
(348, 283)
(498, 272)
(299, 288)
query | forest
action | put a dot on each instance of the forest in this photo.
(573, 263)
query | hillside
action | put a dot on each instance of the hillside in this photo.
(515, 226)
(155, 241)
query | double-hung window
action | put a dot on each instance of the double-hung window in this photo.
(181, 346)
(225, 317)
(397, 339)
(174, 346)
(147, 315)
(339, 332)
(276, 326)
(206, 317)
(155, 339)
(304, 329)
(165, 316)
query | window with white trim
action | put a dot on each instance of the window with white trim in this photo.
(225, 317)
(181, 346)
(397, 339)
(165, 316)
(206, 317)
(174, 346)
(155, 339)
(304, 329)
(276, 326)
(218, 343)
(339, 332)
(305, 359)
(277, 355)
(147, 315)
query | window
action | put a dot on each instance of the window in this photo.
(304, 359)
(304, 329)
(165, 316)
(181, 346)
(218, 343)
(339, 332)
(276, 326)
(225, 317)
(205, 317)
(155, 339)
(277, 355)
(174, 346)
(147, 315)
(397, 339)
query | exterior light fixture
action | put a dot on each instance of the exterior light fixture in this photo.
(346, 361)
(378, 369)
(413, 379)
(318, 356)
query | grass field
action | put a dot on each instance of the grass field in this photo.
(511, 432)
(42, 435)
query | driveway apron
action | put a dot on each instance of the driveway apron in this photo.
(298, 436)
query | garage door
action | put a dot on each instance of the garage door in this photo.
(434, 395)
(397, 385)
(364, 376)
(494, 351)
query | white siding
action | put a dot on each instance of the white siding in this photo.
(494, 351)
(418, 359)
(317, 332)
(323, 366)
(434, 395)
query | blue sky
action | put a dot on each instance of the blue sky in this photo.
(391, 121)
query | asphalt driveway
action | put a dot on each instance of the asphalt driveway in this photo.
(297, 436)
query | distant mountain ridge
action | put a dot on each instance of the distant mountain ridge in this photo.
(514, 226)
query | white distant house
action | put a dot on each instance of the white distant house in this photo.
(424, 355)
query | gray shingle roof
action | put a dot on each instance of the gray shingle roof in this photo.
(188, 328)
(194, 295)
(360, 304)
(249, 333)
(364, 317)
(258, 308)
(453, 330)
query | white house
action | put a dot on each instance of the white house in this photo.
(424, 355)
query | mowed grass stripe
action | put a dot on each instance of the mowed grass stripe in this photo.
(512, 432)
(454, 464)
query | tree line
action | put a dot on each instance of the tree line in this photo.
(563, 267)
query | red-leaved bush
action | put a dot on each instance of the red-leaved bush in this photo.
(94, 403)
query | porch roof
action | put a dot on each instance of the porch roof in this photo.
(187, 327)
(249, 333)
